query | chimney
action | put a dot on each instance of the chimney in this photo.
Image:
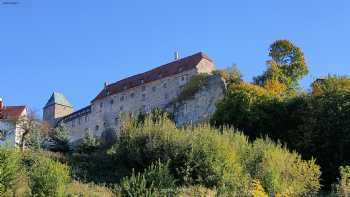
(176, 55)
(1, 104)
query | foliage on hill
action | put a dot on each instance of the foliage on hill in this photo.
(223, 161)
(316, 123)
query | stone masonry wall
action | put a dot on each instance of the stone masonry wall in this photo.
(202, 106)
(141, 98)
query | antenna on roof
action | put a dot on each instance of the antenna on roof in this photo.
(176, 55)
(105, 84)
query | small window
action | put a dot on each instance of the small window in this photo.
(121, 108)
(105, 124)
(166, 96)
(160, 75)
(154, 88)
(86, 130)
(143, 97)
(165, 85)
(86, 118)
(142, 82)
(143, 88)
(112, 101)
(101, 104)
(122, 98)
(180, 69)
(183, 78)
(97, 127)
(132, 95)
(73, 123)
(79, 120)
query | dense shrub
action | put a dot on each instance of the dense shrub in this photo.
(156, 180)
(223, 161)
(342, 188)
(88, 144)
(47, 177)
(315, 124)
(77, 189)
(9, 168)
(192, 87)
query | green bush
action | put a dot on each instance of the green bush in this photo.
(223, 161)
(47, 177)
(192, 87)
(9, 168)
(88, 144)
(156, 180)
(342, 188)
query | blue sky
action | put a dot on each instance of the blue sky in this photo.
(75, 46)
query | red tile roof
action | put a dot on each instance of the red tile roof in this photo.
(11, 112)
(163, 71)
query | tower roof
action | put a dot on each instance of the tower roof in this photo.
(58, 98)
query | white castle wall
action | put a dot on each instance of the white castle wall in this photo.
(141, 98)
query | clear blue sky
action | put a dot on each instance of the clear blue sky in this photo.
(74, 46)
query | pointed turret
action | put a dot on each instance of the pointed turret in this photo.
(56, 107)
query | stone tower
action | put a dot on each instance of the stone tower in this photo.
(56, 107)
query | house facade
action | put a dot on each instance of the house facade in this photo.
(10, 131)
(139, 93)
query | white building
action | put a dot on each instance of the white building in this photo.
(142, 92)
(10, 132)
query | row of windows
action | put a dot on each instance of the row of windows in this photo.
(143, 96)
(80, 120)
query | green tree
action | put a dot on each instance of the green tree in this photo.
(9, 168)
(88, 144)
(287, 65)
(47, 177)
(60, 138)
(331, 83)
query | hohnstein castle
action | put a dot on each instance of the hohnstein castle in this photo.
(140, 93)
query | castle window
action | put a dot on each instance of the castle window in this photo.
(86, 130)
(180, 69)
(122, 98)
(101, 104)
(97, 127)
(143, 88)
(183, 78)
(105, 124)
(143, 97)
(121, 108)
(160, 75)
(73, 123)
(112, 101)
(132, 95)
(165, 85)
(86, 118)
(125, 87)
(142, 82)
(154, 88)
(166, 96)
(79, 120)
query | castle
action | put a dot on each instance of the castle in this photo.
(139, 93)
